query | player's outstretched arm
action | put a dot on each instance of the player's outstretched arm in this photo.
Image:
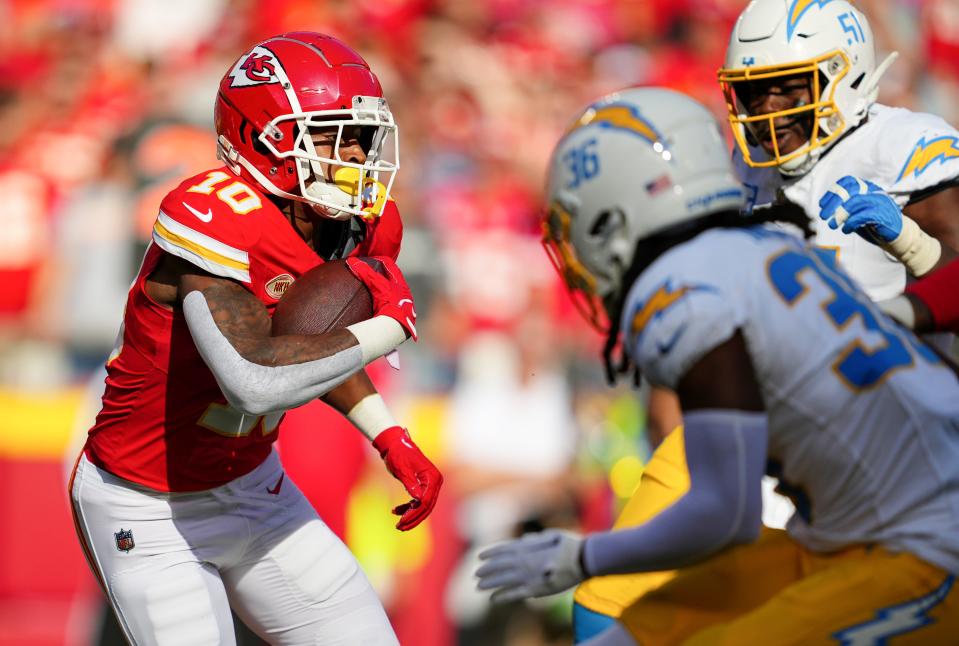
(259, 373)
(725, 438)
(725, 435)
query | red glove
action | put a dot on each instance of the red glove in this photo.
(391, 294)
(408, 465)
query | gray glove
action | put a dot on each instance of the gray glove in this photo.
(534, 565)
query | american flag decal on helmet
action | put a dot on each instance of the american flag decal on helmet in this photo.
(659, 184)
(124, 539)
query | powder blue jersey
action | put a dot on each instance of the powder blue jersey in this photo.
(863, 417)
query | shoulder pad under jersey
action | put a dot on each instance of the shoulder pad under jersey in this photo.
(918, 151)
(679, 310)
(212, 220)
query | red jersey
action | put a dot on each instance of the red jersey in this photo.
(165, 423)
(940, 292)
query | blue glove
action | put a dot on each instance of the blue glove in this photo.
(860, 206)
(534, 565)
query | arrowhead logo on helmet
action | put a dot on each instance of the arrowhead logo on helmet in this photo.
(258, 67)
(290, 107)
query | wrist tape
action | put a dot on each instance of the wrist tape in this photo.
(377, 336)
(915, 248)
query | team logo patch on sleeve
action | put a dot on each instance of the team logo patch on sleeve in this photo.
(661, 300)
(925, 153)
(124, 539)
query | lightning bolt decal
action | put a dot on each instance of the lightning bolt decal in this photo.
(895, 620)
(661, 300)
(618, 116)
(940, 149)
(797, 10)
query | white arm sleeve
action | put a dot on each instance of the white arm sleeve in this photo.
(254, 389)
(726, 457)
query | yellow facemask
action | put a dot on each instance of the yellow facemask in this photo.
(822, 108)
(580, 282)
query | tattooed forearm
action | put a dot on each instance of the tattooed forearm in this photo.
(348, 394)
(236, 312)
(245, 323)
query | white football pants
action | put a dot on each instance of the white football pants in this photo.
(189, 557)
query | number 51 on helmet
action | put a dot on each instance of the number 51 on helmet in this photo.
(828, 42)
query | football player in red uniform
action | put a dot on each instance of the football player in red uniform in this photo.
(180, 502)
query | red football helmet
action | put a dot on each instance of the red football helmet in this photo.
(278, 94)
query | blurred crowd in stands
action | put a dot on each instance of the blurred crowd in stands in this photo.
(107, 104)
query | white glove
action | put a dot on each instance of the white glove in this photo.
(534, 565)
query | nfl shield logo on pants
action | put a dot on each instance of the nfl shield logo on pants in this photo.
(124, 540)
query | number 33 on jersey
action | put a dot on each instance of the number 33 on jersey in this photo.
(833, 413)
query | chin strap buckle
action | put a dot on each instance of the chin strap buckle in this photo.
(229, 155)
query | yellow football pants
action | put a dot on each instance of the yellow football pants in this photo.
(665, 479)
(775, 592)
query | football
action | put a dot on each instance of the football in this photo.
(327, 297)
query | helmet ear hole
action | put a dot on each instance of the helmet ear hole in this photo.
(258, 145)
(601, 224)
(608, 224)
